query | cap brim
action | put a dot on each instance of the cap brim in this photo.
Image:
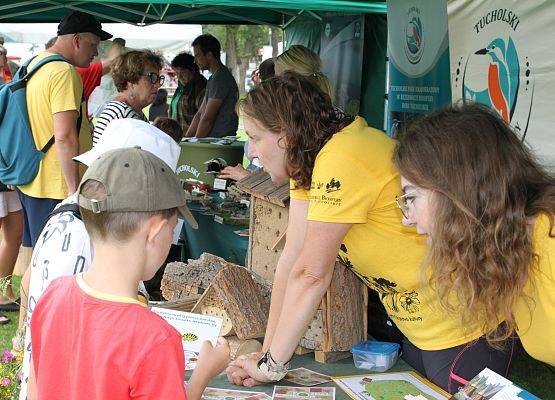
(104, 35)
(184, 211)
(86, 158)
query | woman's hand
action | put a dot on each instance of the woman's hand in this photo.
(244, 371)
(236, 173)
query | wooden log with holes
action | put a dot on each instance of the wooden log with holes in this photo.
(341, 319)
(234, 296)
(181, 280)
(344, 315)
(191, 278)
(269, 213)
(240, 347)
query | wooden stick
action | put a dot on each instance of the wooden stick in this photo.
(279, 240)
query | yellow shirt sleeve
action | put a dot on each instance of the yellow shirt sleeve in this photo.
(66, 90)
(340, 191)
(297, 193)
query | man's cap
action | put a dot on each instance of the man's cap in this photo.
(130, 132)
(134, 180)
(80, 22)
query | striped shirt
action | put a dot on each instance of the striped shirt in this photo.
(113, 110)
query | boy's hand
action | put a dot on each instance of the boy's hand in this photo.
(213, 360)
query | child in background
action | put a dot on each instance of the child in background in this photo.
(159, 107)
(170, 126)
(113, 347)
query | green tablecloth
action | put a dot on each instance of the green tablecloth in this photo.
(213, 237)
(341, 368)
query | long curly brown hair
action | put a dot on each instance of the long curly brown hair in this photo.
(293, 105)
(487, 188)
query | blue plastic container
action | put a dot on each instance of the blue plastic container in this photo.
(375, 356)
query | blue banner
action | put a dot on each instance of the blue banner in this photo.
(418, 49)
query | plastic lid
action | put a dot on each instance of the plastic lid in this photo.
(375, 347)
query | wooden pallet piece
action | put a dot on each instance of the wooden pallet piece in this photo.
(327, 357)
(236, 296)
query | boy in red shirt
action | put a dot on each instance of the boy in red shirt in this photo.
(92, 339)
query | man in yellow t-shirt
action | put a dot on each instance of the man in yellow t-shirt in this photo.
(54, 96)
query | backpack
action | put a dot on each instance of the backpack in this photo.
(19, 156)
(71, 207)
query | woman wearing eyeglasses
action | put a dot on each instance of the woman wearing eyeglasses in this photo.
(343, 189)
(137, 77)
(487, 208)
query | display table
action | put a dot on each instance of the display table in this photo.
(213, 237)
(341, 368)
(195, 154)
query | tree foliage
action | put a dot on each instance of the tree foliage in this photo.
(248, 38)
(241, 44)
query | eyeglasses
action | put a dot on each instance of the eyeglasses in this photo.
(155, 77)
(403, 202)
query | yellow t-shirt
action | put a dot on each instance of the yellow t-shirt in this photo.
(354, 181)
(535, 311)
(54, 88)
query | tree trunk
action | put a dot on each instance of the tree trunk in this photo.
(231, 51)
(242, 66)
(275, 37)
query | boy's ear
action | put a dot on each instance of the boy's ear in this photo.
(155, 225)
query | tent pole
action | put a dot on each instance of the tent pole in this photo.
(37, 10)
(101, 15)
(192, 13)
(130, 10)
(146, 11)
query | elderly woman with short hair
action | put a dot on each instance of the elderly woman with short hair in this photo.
(137, 77)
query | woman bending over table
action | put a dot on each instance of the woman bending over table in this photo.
(486, 207)
(343, 190)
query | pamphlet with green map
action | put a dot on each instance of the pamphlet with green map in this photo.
(390, 386)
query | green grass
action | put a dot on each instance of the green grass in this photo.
(534, 376)
(8, 331)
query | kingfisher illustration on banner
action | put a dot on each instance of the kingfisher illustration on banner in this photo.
(503, 78)
(492, 76)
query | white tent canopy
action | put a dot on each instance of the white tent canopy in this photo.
(25, 40)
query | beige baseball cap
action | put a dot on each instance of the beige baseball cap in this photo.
(135, 180)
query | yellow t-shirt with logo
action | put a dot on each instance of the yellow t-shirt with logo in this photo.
(535, 311)
(354, 181)
(54, 88)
